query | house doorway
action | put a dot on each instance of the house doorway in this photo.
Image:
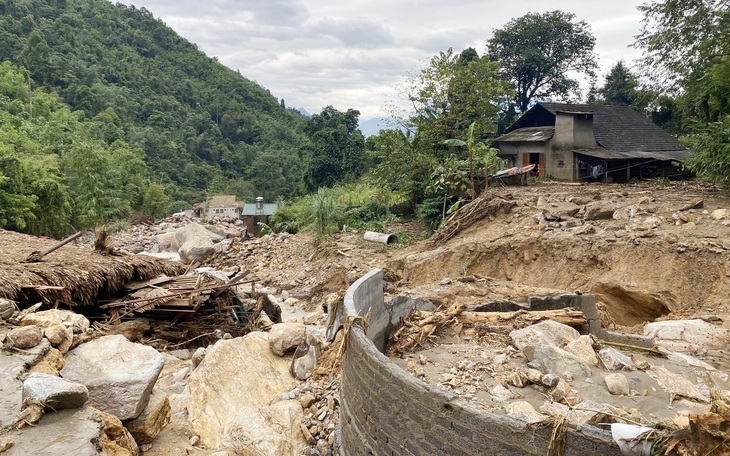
(537, 159)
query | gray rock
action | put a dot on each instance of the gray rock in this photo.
(118, 373)
(180, 354)
(599, 210)
(306, 356)
(546, 332)
(501, 394)
(285, 336)
(196, 242)
(615, 360)
(77, 432)
(54, 393)
(554, 360)
(617, 384)
(198, 356)
(7, 308)
(25, 337)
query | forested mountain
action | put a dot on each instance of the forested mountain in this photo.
(133, 83)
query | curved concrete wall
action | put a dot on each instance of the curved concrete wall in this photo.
(387, 411)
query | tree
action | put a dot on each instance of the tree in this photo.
(156, 201)
(688, 42)
(336, 148)
(681, 37)
(456, 99)
(620, 87)
(537, 51)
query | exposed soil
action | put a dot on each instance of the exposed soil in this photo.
(649, 261)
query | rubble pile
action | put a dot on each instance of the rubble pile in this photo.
(252, 380)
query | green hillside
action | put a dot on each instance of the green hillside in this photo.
(132, 81)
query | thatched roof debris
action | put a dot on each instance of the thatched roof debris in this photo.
(72, 275)
(181, 294)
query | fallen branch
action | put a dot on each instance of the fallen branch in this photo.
(564, 316)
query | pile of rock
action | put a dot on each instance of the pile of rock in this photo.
(101, 390)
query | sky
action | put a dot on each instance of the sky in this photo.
(355, 53)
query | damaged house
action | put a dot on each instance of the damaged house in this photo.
(220, 206)
(591, 143)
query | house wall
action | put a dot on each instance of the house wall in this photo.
(230, 212)
(572, 131)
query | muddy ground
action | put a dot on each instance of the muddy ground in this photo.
(664, 253)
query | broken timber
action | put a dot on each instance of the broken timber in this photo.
(35, 257)
(181, 294)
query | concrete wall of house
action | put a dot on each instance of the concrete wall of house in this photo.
(583, 137)
(387, 411)
(572, 131)
(230, 212)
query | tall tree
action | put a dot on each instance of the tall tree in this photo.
(688, 41)
(620, 86)
(455, 97)
(681, 37)
(537, 51)
(336, 150)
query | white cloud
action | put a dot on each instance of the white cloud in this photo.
(351, 54)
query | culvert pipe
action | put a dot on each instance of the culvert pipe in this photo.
(380, 238)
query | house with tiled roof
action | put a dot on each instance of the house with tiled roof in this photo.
(581, 142)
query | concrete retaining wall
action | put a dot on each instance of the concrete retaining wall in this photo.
(387, 411)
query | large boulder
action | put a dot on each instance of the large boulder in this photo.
(118, 373)
(546, 332)
(600, 210)
(553, 360)
(265, 431)
(235, 373)
(688, 336)
(54, 393)
(196, 242)
(78, 323)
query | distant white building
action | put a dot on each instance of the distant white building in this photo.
(220, 206)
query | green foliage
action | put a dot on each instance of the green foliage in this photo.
(156, 202)
(711, 146)
(457, 100)
(430, 212)
(537, 52)
(342, 207)
(686, 43)
(324, 213)
(335, 152)
(192, 120)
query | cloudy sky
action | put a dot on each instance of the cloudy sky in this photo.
(353, 53)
